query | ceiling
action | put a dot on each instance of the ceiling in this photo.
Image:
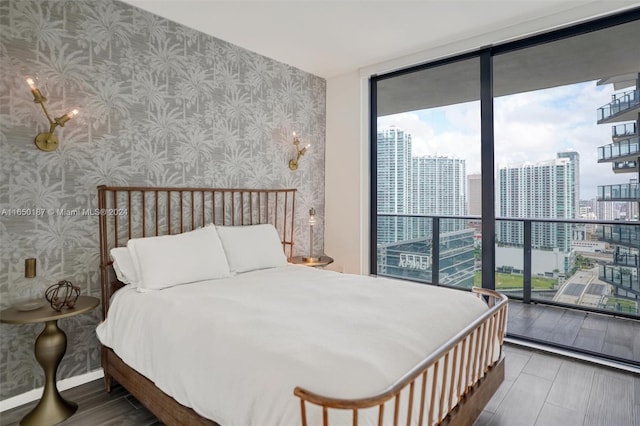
(332, 37)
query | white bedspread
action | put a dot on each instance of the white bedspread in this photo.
(234, 349)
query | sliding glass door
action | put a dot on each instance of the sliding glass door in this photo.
(427, 149)
(515, 167)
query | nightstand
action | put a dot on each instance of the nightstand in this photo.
(322, 261)
(50, 347)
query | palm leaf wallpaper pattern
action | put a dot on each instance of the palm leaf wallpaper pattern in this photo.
(160, 105)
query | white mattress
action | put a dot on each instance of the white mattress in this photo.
(234, 349)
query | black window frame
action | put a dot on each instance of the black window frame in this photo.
(487, 142)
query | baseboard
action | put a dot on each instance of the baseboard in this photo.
(35, 394)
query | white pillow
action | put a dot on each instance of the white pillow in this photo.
(171, 260)
(252, 247)
(124, 266)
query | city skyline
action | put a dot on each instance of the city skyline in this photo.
(529, 127)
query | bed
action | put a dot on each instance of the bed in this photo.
(285, 344)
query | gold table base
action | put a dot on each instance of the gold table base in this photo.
(49, 350)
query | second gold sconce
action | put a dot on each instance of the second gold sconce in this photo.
(293, 163)
(48, 141)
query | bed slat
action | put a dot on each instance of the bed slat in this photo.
(184, 210)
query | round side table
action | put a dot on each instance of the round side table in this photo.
(322, 261)
(50, 347)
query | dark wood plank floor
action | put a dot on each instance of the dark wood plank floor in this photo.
(539, 390)
(96, 407)
(599, 335)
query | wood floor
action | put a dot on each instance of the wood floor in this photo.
(596, 334)
(539, 390)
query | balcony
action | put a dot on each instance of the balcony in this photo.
(623, 192)
(624, 257)
(622, 108)
(625, 167)
(583, 282)
(623, 150)
(536, 259)
(623, 279)
(627, 235)
(623, 131)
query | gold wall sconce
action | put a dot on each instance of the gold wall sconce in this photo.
(293, 163)
(48, 141)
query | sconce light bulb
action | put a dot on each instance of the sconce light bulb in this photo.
(68, 116)
(37, 96)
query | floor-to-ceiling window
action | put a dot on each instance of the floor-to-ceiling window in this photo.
(535, 151)
(428, 168)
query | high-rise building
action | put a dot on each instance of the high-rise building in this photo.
(543, 190)
(607, 211)
(439, 189)
(574, 172)
(428, 185)
(474, 194)
(394, 183)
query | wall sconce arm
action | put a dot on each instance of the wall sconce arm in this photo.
(293, 163)
(48, 141)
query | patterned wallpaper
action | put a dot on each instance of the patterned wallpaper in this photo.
(160, 105)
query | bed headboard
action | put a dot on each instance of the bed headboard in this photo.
(134, 212)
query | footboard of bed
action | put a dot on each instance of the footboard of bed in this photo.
(449, 387)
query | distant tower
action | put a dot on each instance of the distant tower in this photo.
(544, 190)
(394, 183)
(439, 189)
(474, 194)
(574, 157)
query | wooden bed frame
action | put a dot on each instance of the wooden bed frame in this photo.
(465, 372)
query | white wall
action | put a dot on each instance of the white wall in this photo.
(346, 179)
(347, 164)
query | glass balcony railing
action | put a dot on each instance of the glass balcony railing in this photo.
(626, 259)
(627, 235)
(623, 279)
(589, 265)
(624, 148)
(624, 166)
(623, 192)
(621, 102)
(623, 131)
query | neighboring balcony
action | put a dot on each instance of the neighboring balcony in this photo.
(622, 278)
(623, 107)
(625, 167)
(623, 131)
(623, 192)
(627, 235)
(625, 257)
(624, 150)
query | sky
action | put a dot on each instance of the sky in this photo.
(529, 127)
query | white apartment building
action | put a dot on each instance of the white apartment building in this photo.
(394, 183)
(544, 190)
